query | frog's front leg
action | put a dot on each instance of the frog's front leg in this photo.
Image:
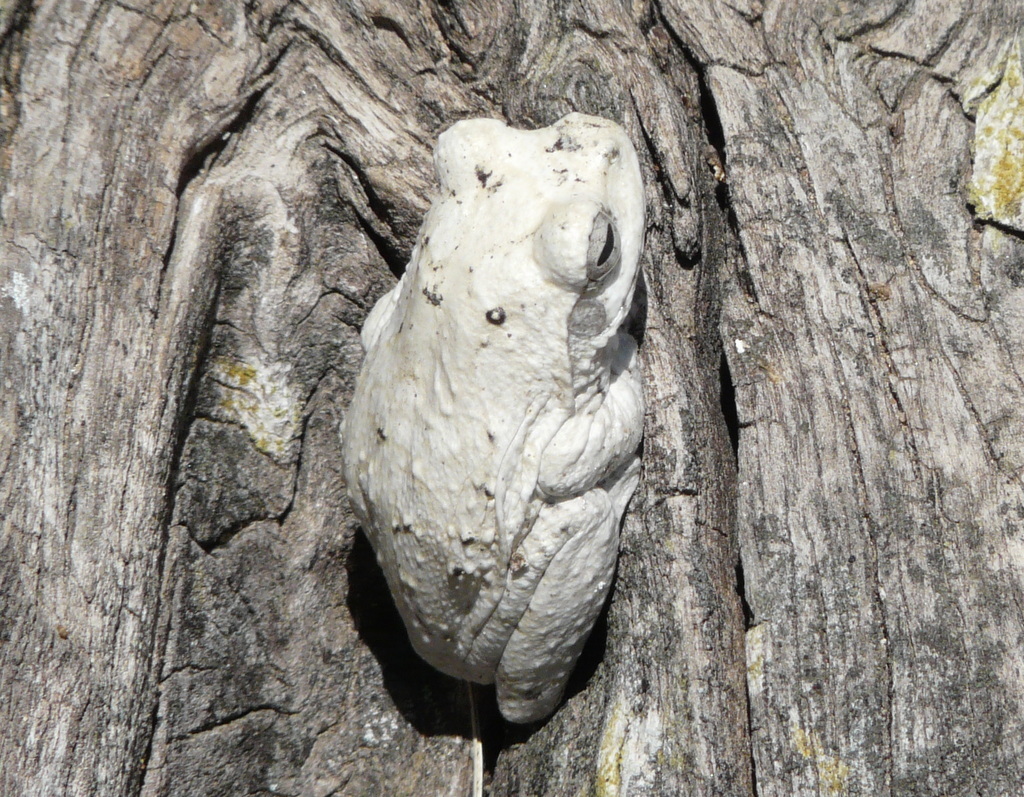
(564, 605)
(592, 444)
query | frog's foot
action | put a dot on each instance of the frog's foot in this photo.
(568, 597)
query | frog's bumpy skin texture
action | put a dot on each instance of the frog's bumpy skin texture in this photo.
(491, 444)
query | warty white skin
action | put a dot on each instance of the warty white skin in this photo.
(491, 444)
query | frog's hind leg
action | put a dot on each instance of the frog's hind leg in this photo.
(548, 638)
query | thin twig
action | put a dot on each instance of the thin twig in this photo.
(478, 748)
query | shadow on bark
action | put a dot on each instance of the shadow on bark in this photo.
(430, 701)
(433, 703)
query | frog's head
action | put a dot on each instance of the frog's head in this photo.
(590, 238)
(556, 212)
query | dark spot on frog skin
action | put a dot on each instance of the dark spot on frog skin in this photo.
(464, 587)
(488, 492)
(490, 436)
(407, 529)
(531, 693)
(564, 143)
(432, 297)
(381, 435)
(496, 316)
(517, 564)
(482, 176)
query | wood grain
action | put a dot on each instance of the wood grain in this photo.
(820, 584)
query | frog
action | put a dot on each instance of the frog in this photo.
(493, 438)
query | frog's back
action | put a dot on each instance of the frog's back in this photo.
(451, 416)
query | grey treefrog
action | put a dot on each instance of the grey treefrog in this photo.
(491, 445)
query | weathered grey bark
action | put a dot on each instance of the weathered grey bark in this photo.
(200, 202)
(874, 334)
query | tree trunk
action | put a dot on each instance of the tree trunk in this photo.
(820, 585)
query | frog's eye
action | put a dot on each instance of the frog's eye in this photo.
(578, 244)
(603, 253)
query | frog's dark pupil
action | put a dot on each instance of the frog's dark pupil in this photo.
(609, 245)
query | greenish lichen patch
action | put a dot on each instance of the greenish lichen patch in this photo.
(833, 772)
(997, 184)
(632, 757)
(260, 398)
(609, 756)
